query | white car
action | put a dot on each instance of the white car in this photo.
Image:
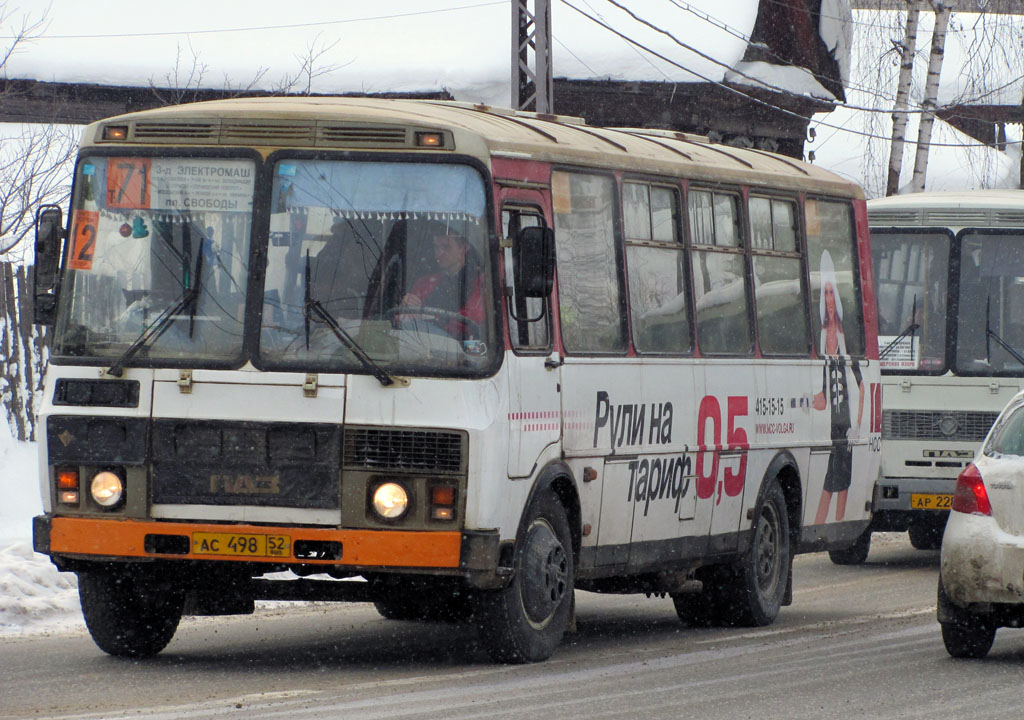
(981, 579)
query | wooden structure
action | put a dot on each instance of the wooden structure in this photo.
(785, 33)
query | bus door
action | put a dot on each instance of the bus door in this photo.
(534, 412)
(666, 519)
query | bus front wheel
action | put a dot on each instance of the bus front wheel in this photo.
(525, 621)
(128, 611)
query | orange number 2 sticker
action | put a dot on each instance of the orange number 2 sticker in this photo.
(83, 239)
(128, 182)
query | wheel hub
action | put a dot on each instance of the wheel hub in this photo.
(545, 578)
(767, 549)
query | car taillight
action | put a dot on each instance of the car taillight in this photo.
(970, 495)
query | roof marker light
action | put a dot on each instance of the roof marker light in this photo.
(430, 139)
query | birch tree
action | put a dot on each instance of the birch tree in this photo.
(931, 93)
(899, 113)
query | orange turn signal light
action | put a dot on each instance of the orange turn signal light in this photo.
(442, 495)
(67, 478)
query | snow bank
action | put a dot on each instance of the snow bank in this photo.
(34, 596)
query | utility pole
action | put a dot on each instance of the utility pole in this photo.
(531, 34)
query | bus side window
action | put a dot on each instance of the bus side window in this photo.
(832, 256)
(590, 296)
(779, 292)
(719, 273)
(529, 319)
(656, 267)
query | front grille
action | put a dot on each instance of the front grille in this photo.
(246, 463)
(935, 425)
(420, 450)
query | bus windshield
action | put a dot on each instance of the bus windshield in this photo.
(911, 276)
(990, 326)
(387, 260)
(158, 259)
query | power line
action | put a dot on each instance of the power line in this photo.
(261, 27)
(758, 101)
(868, 91)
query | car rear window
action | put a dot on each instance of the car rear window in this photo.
(1008, 438)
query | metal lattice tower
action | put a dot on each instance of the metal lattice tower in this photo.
(531, 34)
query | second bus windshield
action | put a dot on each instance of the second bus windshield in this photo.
(912, 273)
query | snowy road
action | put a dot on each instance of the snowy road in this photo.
(858, 642)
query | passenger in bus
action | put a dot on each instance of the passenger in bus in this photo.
(835, 394)
(457, 287)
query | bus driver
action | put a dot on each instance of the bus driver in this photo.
(456, 289)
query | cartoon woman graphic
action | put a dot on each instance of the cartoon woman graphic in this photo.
(835, 394)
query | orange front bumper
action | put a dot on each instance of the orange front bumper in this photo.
(119, 538)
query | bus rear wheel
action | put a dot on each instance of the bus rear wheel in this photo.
(525, 621)
(751, 592)
(926, 533)
(856, 554)
(129, 612)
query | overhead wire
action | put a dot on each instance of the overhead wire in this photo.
(293, 26)
(747, 96)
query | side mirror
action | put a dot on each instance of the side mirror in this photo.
(534, 256)
(49, 234)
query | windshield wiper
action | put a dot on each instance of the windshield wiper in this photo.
(189, 299)
(909, 330)
(990, 333)
(313, 307)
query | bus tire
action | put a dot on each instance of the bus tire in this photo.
(926, 534)
(451, 608)
(856, 554)
(752, 593)
(127, 613)
(702, 609)
(525, 621)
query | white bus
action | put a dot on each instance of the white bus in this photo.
(327, 338)
(949, 277)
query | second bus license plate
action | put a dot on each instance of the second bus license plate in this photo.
(931, 501)
(241, 544)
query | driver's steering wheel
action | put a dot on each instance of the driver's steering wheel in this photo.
(472, 326)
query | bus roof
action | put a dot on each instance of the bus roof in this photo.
(479, 130)
(952, 209)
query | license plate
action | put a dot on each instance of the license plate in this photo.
(931, 501)
(241, 545)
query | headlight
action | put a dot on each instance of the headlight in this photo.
(390, 501)
(106, 489)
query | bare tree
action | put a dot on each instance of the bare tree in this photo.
(35, 166)
(310, 68)
(21, 30)
(34, 160)
(35, 169)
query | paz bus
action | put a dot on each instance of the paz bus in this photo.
(949, 274)
(453, 360)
